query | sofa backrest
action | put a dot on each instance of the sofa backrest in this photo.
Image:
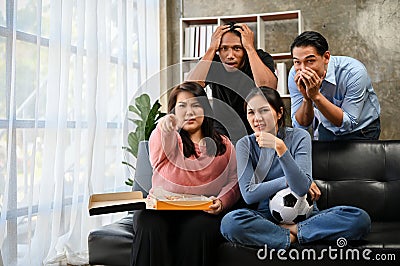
(363, 174)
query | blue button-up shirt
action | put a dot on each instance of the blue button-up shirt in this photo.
(346, 85)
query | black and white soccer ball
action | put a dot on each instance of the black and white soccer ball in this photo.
(288, 208)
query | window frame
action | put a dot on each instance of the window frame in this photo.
(14, 212)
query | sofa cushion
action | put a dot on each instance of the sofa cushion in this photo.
(380, 202)
(384, 235)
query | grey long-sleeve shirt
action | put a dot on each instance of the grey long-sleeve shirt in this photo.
(262, 172)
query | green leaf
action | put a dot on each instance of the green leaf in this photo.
(150, 122)
(145, 124)
(132, 108)
(139, 124)
(143, 104)
(160, 115)
(128, 164)
(152, 119)
(133, 143)
(139, 133)
(128, 149)
(129, 183)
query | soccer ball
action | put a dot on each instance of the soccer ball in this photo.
(288, 208)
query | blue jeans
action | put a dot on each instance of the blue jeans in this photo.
(258, 228)
(370, 132)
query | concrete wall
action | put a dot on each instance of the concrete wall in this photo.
(364, 29)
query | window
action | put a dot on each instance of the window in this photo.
(69, 71)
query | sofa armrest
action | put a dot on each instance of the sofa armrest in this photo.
(112, 244)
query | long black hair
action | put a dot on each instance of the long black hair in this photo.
(207, 127)
(274, 100)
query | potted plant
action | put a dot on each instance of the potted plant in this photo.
(148, 116)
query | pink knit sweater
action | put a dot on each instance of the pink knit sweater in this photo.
(205, 175)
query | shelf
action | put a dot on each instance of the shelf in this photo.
(281, 15)
(190, 58)
(239, 19)
(199, 21)
(279, 56)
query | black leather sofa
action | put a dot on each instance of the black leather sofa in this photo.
(365, 174)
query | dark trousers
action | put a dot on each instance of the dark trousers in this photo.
(175, 238)
(370, 132)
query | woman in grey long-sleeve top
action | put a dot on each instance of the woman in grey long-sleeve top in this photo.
(271, 159)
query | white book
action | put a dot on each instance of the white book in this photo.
(281, 73)
(203, 40)
(185, 75)
(191, 41)
(186, 42)
(209, 34)
(197, 41)
(215, 26)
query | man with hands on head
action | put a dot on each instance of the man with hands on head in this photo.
(334, 94)
(233, 46)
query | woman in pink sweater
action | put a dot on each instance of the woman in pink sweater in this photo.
(188, 156)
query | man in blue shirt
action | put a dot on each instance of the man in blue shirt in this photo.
(333, 94)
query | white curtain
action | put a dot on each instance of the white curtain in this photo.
(61, 135)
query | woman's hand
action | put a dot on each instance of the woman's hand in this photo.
(168, 123)
(216, 207)
(314, 191)
(265, 139)
(268, 140)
